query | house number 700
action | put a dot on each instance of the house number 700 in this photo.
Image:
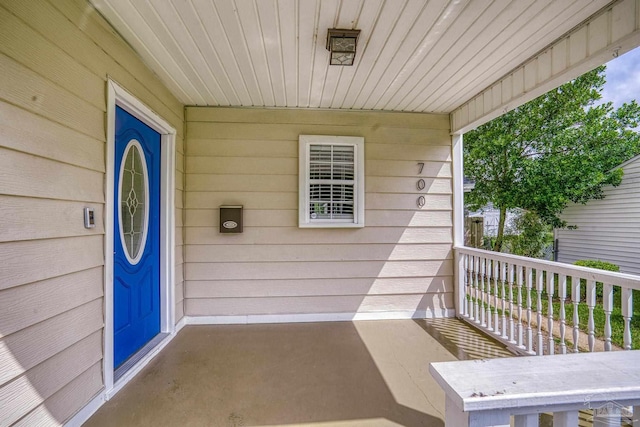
(420, 186)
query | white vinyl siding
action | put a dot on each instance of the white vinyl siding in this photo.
(607, 229)
(55, 58)
(331, 187)
(399, 263)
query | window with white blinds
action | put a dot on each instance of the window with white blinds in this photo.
(331, 181)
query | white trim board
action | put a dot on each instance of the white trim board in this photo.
(117, 95)
(87, 411)
(316, 317)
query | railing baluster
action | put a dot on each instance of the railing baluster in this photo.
(607, 303)
(529, 330)
(472, 288)
(627, 312)
(496, 317)
(494, 287)
(503, 279)
(520, 322)
(465, 302)
(482, 291)
(489, 315)
(562, 295)
(575, 298)
(591, 303)
(469, 301)
(550, 291)
(511, 324)
(476, 284)
(539, 286)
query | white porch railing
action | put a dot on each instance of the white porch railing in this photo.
(543, 307)
(487, 393)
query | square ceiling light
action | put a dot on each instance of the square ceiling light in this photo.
(341, 45)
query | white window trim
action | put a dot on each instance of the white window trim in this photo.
(304, 142)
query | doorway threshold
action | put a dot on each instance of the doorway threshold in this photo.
(138, 356)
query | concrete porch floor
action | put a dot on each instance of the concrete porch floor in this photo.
(363, 373)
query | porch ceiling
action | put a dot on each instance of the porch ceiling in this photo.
(413, 55)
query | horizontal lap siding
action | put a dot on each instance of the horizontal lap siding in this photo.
(401, 261)
(55, 58)
(607, 229)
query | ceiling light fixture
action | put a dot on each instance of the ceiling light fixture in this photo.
(341, 45)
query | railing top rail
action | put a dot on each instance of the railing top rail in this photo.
(523, 383)
(609, 277)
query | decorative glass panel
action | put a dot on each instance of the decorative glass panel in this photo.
(342, 58)
(133, 197)
(343, 44)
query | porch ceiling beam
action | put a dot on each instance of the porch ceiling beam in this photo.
(609, 33)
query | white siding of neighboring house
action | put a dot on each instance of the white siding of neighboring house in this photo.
(400, 262)
(608, 229)
(55, 57)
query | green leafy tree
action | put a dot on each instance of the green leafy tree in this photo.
(529, 236)
(559, 148)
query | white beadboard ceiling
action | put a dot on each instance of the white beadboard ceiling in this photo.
(413, 55)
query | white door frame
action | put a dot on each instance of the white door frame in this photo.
(117, 95)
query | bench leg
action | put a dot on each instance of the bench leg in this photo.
(530, 420)
(565, 419)
(456, 417)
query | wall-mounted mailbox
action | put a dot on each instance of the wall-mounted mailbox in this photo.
(231, 219)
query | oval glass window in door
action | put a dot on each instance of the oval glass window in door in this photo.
(133, 199)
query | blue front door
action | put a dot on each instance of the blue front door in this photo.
(136, 258)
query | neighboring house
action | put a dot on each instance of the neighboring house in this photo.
(606, 229)
(491, 218)
(121, 138)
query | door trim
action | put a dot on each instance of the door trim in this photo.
(117, 95)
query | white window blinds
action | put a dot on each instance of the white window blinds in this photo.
(331, 181)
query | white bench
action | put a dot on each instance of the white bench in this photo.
(483, 393)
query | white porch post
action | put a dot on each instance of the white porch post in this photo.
(458, 219)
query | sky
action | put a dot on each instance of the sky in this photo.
(623, 79)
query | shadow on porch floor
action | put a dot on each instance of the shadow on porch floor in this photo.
(365, 373)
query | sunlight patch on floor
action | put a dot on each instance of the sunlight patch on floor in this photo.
(402, 352)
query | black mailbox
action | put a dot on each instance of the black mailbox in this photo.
(231, 219)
